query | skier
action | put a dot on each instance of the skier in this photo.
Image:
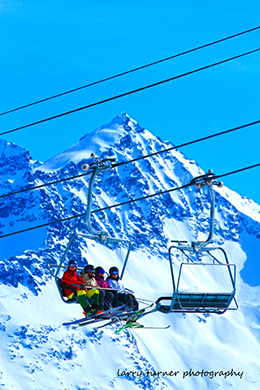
(88, 299)
(114, 282)
(110, 296)
(90, 281)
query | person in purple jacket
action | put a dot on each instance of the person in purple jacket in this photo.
(110, 295)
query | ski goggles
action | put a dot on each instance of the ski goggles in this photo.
(114, 272)
(102, 271)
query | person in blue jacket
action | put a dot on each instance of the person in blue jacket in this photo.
(123, 296)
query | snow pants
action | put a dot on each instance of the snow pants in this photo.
(86, 298)
(129, 300)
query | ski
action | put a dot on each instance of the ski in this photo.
(101, 316)
(113, 316)
(140, 326)
(92, 321)
(135, 316)
(98, 319)
(111, 322)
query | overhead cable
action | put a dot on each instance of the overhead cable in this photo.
(93, 212)
(172, 189)
(45, 184)
(124, 203)
(237, 171)
(115, 165)
(129, 92)
(188, 143)
(130, 71)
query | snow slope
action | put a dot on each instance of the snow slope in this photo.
(197, 351)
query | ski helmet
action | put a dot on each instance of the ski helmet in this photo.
(99, 270)
(113, 271)
(72, 262)
(89, 268)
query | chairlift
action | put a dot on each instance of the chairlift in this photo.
(183, 301)
(102, 237)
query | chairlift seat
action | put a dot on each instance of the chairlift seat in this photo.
(200, 302)
(203, 300)
(62, 286)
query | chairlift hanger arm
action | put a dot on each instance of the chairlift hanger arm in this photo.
(207, 180)
(99, 236)
(97, 166)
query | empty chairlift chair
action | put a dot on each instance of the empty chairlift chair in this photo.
(185, 299)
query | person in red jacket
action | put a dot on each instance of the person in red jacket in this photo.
(88, 299)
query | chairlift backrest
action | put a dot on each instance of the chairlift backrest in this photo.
(61, 287)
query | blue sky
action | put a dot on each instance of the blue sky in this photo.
(50, 47)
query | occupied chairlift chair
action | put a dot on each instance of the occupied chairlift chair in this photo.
(102, 237)
(202, 302)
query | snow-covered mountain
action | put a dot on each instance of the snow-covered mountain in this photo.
(198, 351)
